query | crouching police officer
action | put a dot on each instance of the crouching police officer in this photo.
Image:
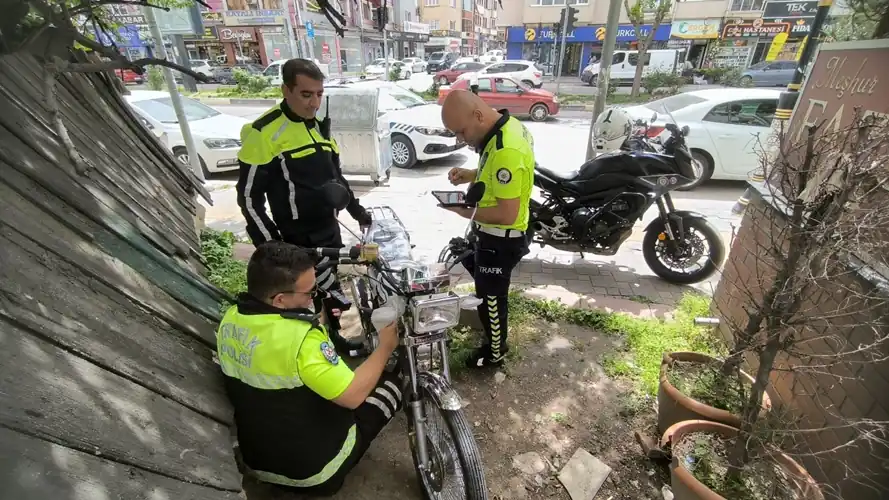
(506, 167)
(304, 419)
(287, 158)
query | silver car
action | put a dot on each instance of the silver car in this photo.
(769, 74)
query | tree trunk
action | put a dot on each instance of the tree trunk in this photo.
(640, 67)
(882, 30)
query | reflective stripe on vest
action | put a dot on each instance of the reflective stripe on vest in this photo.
(326, 473)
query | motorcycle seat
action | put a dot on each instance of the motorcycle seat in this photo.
(559, 177)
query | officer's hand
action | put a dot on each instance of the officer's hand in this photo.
(459, 176)
(389, 336)
(363, 219)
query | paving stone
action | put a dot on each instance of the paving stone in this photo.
(542, 279)
(583, 475)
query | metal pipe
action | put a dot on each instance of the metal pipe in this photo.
(562, 51)
(706, 321)
(604, 78)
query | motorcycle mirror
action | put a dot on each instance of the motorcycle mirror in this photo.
(474, 193)
(469, 302)
(336, 194)
(685, 130)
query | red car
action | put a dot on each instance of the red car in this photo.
(129, 77)
(505, 93)
(449, 76)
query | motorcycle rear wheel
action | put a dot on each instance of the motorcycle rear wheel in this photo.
(696, 228)
(455, 471)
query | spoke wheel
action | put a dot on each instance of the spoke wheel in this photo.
(692, 259)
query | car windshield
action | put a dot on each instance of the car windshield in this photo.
(161, 109)
(395, 97)
(674, 103)
(437, 56)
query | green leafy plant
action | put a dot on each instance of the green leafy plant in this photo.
(394, 74)
(659, 79)
(248, 83)
(223, 270)
(155, 78)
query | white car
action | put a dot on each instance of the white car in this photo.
(377, 67)
(415, 64)
(728, 127)
(202, 66)
(217, 136)
(273, 70)
(491, 57)
(520, 71)
(466, 59)
(417, 131)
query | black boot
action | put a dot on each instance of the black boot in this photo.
(493, 313)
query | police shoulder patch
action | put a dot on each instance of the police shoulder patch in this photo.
(504, 176)
(329, 353)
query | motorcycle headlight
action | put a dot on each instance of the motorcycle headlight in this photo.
(222, 143)
(432, 131)
(433, 314)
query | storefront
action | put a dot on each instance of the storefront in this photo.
(256, 36)
(744, 43)
(440, 40)
(206, 46)
(799, 17)
(693, 36)
(536, 43)
(240, 44)
(412, 41)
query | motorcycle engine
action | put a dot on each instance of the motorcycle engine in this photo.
(604, 226)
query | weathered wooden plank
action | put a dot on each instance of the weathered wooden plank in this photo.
(22, 220)
(32, 469)
(164, 271)
(53, 395)
(96, 322)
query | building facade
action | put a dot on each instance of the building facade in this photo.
(464, 26)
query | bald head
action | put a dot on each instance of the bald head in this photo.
(467, 115)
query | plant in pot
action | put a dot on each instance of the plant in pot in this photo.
(809, 319)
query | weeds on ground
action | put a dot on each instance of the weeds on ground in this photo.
(223, 270)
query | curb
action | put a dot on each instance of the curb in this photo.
(576, 107)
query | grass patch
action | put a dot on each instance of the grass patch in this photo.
(567, 99)
(232, 91)
(223, 270)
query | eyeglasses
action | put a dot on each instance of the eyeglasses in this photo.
(311, 293)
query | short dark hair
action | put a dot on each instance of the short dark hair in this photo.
(295, 67)
(275, 266)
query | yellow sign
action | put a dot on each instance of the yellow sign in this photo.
(695, 29)
(799, 51)
(776, 46)
(600, 33)
(530, 34)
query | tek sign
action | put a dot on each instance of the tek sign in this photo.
(785, 10)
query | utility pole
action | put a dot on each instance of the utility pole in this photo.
(384, 20)
(604, 78)
(183, 60)
(291, 36)
(787, 100)
(564, 25)
(361, 36)
(161, 52)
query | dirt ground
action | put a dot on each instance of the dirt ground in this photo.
(551, 399)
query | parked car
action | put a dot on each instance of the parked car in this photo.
(449, 76)
(465, 59)
(728, 127)
(377, 67)
(769, 74)
(226, 74)
(417, 130)
(491, 56)
(155, 127)
(203, 67)
(273, 70)
(518, 70)
(129, 77)
(624, 63)
(441, 60)
(503, 92)
(217, 136)
(415, 64)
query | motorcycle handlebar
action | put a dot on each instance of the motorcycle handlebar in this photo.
(338, 254)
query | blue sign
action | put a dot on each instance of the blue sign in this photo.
(310, 30)
(126, 36)
(594, 34)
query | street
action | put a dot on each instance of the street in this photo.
(559, 145)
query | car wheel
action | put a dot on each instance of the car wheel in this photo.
(746, 81)
(539, 112)
(443, 81)
(703, 165)
(594, 80)
(529, 83)
(403, 153)
(181, 154)
(407, 76)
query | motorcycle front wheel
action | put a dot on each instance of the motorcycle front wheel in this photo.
(692, 259)
(455, 467)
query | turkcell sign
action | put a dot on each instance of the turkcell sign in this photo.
(594, 34)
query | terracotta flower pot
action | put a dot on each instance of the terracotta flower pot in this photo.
(673, 406)
(686, 487)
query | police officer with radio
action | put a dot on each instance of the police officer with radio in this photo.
(506, 167)
(288, 159)
(304, 418)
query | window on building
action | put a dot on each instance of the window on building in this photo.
(746, 5)
(431, 3)
(433, 24)
(452, 26)
(407, 15)
(453, 3)
(547, 3)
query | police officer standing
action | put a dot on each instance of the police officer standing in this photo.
(304, 418)
(506, 167)
(287, 159)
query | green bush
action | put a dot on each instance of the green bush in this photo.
(659, 79)
(250, 84)
(155, 78)
(222, 269)
(732, 78)
(394, 74)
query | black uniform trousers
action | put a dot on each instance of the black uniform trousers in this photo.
(491, 267)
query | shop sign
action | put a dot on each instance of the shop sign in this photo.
(412, 27)
(211, 18)
(782, 9)
(445, 33)
(754, 29)
(596, 34)
(401, 36)
(126, 36)
(126, 14)
(235, 35)
(695, 29)
(253, 17)
(439, 41)
(209, 34)
(272, 30)
(798, 27)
